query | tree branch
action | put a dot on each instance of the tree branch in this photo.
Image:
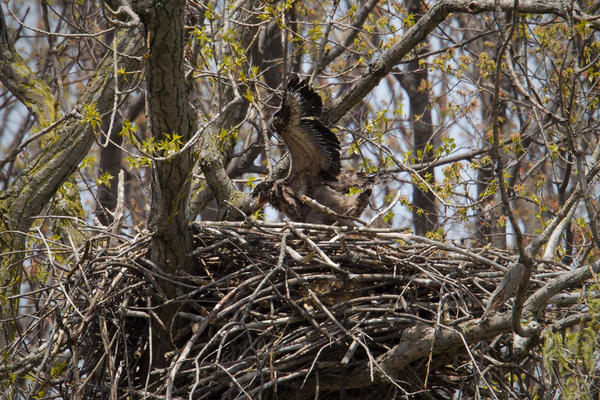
(541, 296)
(60, 158)
(436, 14)
(22, 82)
(417, 343)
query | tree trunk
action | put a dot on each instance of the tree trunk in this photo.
(110, 163)
(169, 124)
(417, 87)
(167, 108)
(491, 211)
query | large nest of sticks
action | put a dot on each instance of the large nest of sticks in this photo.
(274, 311)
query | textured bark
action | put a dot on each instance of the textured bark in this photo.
(44, 175)
(168, 114)
(17, 77)
(53, 165)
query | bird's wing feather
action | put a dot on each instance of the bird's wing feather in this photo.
(314, 148)
(308, 100)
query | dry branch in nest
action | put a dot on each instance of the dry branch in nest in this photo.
(274, 310)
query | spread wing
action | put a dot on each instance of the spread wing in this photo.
(314, 149)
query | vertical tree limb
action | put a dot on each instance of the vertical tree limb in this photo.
(168, 115)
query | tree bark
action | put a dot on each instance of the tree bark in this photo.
(168, 122)
(168, 114)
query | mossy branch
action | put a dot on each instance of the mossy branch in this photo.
(22, 82)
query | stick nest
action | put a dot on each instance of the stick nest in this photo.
(271, 311)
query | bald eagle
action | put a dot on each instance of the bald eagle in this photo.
(315, 172)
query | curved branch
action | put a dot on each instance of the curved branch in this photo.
(556, 235)
(541, 296)
(419, 342)
(537, 244)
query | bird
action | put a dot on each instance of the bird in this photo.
(316, 188)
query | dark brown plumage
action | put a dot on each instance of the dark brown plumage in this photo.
(315, 169)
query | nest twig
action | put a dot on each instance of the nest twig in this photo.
(272, 310)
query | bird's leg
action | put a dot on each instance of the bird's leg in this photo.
(281, 196)
(285, 200)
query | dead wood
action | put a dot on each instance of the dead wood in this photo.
(272, 310)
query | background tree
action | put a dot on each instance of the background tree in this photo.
(143, 286)
(416, 85)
